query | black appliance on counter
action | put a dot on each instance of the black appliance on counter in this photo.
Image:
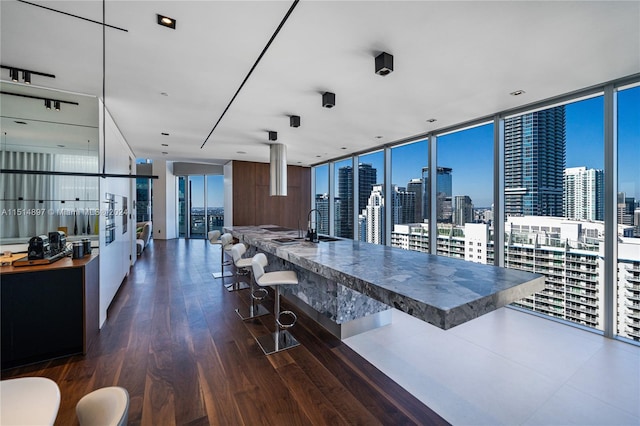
(57, 242)
(39, 247)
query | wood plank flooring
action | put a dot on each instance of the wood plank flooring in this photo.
(175, 342)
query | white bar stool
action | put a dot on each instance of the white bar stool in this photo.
(257, 295)
(242, 267)
(281, 339)
(225, 246)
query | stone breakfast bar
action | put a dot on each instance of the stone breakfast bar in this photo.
(350, 286)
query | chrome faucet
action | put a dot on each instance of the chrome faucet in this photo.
(312, 233)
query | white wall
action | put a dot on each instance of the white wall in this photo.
(115, 258)
(165, 202)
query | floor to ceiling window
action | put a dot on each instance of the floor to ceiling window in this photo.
(628, 211)
(343, 198)
(554, 205)
(408, 174)
(321, 194)
(200, 204)
(464, 193)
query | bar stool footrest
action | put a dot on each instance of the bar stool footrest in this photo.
(285, 325)
(225, 274)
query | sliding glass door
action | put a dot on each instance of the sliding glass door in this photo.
(200, 205)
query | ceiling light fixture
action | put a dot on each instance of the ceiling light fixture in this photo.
(56, 105)
(164, 144)
(164, 134)
(14, 74)
(273, 136)
(165, 21)
(517, 93)
(384, 64)
(431, 120)
(20, 122)
(328, 99)
(47, 103)
(294, 121)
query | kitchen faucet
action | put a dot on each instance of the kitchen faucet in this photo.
(312, 233)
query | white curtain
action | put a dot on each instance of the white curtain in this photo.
(37, 204)
(23, 215)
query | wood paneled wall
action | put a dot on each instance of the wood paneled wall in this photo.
(252, 204)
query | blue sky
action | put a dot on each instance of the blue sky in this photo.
(470, 152)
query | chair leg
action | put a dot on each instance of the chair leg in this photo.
(255, 309)
(281, 339)
(222, 273)
(237, 284)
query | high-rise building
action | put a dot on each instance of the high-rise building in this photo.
(444, 190)
(404, 203)
(583, 193)
(463, 210)
(534, 154)
(322, 204)
(374, 213)
(367, 176)
(416, 186)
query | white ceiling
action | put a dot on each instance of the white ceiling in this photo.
(454, 61)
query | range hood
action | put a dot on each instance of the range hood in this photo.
(278, 170)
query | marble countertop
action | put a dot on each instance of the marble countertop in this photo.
(440, 290)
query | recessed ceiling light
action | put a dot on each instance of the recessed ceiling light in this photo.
(344, 147)
(431, 120)
(240, 152)
(165, 144)
(164, 134)
(318, 156)
(19, 122)
(165, 21)
(517, 93)
(60, 146)
(164, 93)
(165, 152)
(378, 137)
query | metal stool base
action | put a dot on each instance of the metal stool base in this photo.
(277, 341)
(239, 285)
(252, 311)
(225, 274)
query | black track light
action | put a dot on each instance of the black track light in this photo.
(56, 105)
(13, 74)
(384, 63)
(294, 121)
(47, 103)
(328, 99)
(26, 76)
(273, 136)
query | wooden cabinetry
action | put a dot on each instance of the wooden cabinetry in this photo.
(48, 311)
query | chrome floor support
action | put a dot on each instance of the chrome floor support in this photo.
(280, 339)
(255, 309)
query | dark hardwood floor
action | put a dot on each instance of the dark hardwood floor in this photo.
(174, 341)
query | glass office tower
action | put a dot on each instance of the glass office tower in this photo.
(534, 157)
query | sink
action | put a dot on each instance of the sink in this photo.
(327, 238)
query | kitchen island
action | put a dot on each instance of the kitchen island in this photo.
(369, 279)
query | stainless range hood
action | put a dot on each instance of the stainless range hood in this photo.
(278, 170)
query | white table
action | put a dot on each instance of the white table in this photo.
(29, 401)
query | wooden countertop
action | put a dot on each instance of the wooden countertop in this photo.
(65, 262)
